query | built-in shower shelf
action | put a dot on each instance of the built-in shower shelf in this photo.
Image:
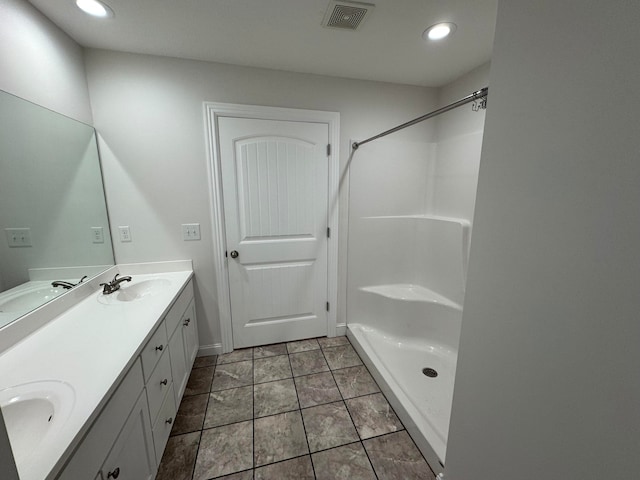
(411, 293)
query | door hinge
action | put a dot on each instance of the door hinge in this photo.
(328, 149)
(328, 232)
(327, 306)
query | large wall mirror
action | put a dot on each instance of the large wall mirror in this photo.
(54, 228)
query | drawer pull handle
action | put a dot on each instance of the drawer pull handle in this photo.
(164, 382)
(169, 420)
(186, 322)
(114, 474)
(160, 347)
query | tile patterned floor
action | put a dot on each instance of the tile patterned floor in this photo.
(292, 411)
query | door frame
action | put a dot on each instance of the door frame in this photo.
(213, 111)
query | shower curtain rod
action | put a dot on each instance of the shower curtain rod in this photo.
(472, 97)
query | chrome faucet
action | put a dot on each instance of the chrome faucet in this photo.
(114, 285)
(66, 285)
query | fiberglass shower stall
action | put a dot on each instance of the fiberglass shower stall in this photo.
(411, 208)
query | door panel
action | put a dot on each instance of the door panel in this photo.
(275, 189)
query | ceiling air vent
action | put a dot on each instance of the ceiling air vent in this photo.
(346, 15)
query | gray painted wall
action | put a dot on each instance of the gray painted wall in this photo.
(150, 116)
(547, 382)
(41, 63)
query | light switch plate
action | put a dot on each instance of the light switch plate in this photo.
(125, 233)
(97, 234)
(18, 237)
(190, 231)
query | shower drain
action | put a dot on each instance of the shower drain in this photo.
(430, 372)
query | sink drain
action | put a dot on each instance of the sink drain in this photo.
(430, 372)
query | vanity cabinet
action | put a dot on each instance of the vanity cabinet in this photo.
(107, 432)
(128, 438)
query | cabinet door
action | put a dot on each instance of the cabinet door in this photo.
(179, 370)
(164, 422)
(190, 334)
(96, 445)
(132, 456)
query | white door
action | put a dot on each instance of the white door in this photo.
(275, 191)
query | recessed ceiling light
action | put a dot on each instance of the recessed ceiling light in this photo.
(439, 31)
(95, 8)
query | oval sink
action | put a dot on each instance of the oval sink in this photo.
(30, 299)
(135, 291)
(33, 414)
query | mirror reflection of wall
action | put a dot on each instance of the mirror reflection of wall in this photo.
(53, 216)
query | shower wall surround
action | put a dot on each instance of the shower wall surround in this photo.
(454, 178)
(411, 211)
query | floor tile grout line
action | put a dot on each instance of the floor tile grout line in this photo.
(253, 419)
(278, 461)
(195, 461)
(300, 408)
(304, 427)
(338, 446)
(351, 417)
(412, 442)
(291, 411)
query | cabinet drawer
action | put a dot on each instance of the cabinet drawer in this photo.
(94, 448)
(159, 384)
(153, 351)
(172, 319)
(163, 424)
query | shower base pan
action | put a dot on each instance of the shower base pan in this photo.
(417, 377)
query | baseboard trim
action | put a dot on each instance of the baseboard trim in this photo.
(216, 348)
(205, 350)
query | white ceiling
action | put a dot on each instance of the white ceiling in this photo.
(288, 35)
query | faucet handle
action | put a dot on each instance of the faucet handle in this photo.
(106, 288)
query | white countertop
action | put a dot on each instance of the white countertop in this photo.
(89, 347)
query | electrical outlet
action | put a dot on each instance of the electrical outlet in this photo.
(190, 231)
(97, 234)
(125, 233)
(18, 237)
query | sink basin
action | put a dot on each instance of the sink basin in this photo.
(33, 414)
(29, 299)
(135, 291)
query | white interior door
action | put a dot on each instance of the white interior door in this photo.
(275, 191)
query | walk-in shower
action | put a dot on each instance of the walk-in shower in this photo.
(407, 271)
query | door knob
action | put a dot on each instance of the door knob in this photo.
(234, 254)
